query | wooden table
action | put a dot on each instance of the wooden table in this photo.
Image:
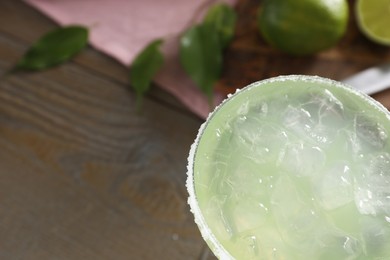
(84, 176)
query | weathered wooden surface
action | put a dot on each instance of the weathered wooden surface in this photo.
(84, 176)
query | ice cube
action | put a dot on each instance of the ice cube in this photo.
(333, 187)
(271, 245)
(339, 246)
(372, 192)
(278, 104)
(370, 132)
(324, 107)
(344, 146)
(349, 144)
(376, 235)
(298, 120)
(256, 139)
(247, 203)
(244, 108)
(340, 218)
(261, 243)
(245, 214)
(261, 109)
(301, 159)
(218, 181)
(247, 245)
(246, 177)
(315, 129)
(327, 115)
(216, 219)
(285, 200)
(295, 217)
(364, 201)
(379, 165)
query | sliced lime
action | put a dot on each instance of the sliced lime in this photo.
(373, 17)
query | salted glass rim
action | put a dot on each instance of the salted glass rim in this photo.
(205, 230)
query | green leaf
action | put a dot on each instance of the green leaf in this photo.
(201, 56)
(144, 67)
(223, 18)
(54, 48)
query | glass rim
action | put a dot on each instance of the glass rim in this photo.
(217, 248)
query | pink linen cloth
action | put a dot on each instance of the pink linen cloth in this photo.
(122, 28)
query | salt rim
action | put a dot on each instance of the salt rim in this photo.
(205, 231)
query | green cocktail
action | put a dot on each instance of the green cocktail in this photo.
(294, 167)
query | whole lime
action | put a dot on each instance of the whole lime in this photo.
(302, 27)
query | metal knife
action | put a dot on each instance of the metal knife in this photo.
(372, 80)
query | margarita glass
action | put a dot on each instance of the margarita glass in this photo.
(293, 167)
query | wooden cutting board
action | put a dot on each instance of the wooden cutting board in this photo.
(250, 58)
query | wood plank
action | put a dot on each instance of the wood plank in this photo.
(46, 216)
(84, 175)
(87, 135)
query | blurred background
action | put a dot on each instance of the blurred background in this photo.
(85, 175)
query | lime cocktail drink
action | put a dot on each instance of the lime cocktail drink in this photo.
(293, 167)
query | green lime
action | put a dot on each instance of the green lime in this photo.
(373, 17)
(302, 27)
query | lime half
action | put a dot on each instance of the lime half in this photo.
(373, 18)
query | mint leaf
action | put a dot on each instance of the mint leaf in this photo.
(202, 45)
(223, 18)
(201, 56)
(144, 67)
(54, 48)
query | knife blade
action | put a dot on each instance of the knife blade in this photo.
(372, 80)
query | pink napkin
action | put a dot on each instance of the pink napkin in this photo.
(122, 28)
